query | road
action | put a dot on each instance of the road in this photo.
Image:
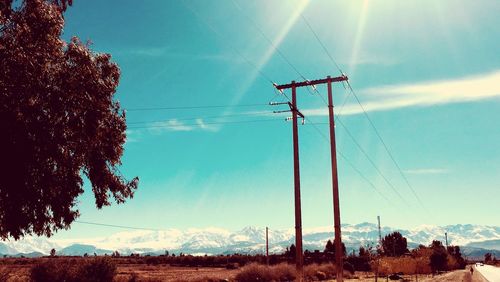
(491, 273)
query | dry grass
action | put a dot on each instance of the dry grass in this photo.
(406, 265)
(169, 273)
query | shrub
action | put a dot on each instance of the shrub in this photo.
(57, 270)
(327, 271)
(257, 272)
(97, 270)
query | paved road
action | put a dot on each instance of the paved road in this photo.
(491, 273)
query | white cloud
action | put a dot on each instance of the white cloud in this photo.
(132, 136)
(169, 125)
(427, 171)
(389, 97)
(177, 125)
(209, 127)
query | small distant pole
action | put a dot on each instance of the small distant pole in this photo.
(379, 231)
(267, 245)
(379, 246)
(446, 239)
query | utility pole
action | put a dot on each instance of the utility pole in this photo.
(296, 172)
(446, 239)
(336, 205)
(379, 231)
(267, 245)
(378, 248)
(335, 184)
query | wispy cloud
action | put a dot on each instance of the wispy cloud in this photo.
(132, 136)
(177, 125)
(209, 127)
(169, 125)
(389, 97)
(420, 171)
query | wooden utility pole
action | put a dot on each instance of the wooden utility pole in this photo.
(379, 246)
(336, 205)
(446, 239)
(296, 173)
(298, 210)
(267, 245)
(335, 183)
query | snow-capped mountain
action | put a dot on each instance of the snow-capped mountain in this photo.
(248, 240)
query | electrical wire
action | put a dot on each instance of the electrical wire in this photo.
(202, 124)
(116, 226)
(386, 148)
(193, 107)
(202, 117)
(348, 161)
(365, 113)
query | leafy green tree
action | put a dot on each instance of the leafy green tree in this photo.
(394, 245)
(58, 120)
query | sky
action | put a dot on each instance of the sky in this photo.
(426, 72)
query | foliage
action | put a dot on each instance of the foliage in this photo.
(330, 249)
(455, 259)
(438, 258)
(394, 245)
(487, 257)
(91, 270)
(58, 121)
(257, 272)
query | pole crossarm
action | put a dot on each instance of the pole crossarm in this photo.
(312, 82)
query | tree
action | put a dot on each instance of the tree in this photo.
(58, 120)
(438, 258)
(330, 249)
(454, 251)
(53, 252)
(487, 257)
(394, 245)
(291, 252)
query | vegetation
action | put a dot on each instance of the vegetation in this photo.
(58, 121)
(85, 270)
(394, 245)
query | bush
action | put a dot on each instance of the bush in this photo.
(257, 272)
(327, 271)
(101, 269)
(91, 270)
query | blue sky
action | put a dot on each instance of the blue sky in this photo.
(427, 72)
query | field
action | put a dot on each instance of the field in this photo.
(19, 270)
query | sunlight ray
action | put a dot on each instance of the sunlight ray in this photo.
(358, 37)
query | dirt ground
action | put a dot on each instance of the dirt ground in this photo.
(172, 273)
(159, 273)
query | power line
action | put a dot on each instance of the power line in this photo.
(269, 41)
(337, 119)
(201, 117)
(385, 146)
(193, 107)
(348, 161)
(370, 160)
(231, 46)
(116, 226)
(321, 43)
(365, 113)
(202, 124)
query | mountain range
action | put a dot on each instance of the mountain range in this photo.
(475, 240)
